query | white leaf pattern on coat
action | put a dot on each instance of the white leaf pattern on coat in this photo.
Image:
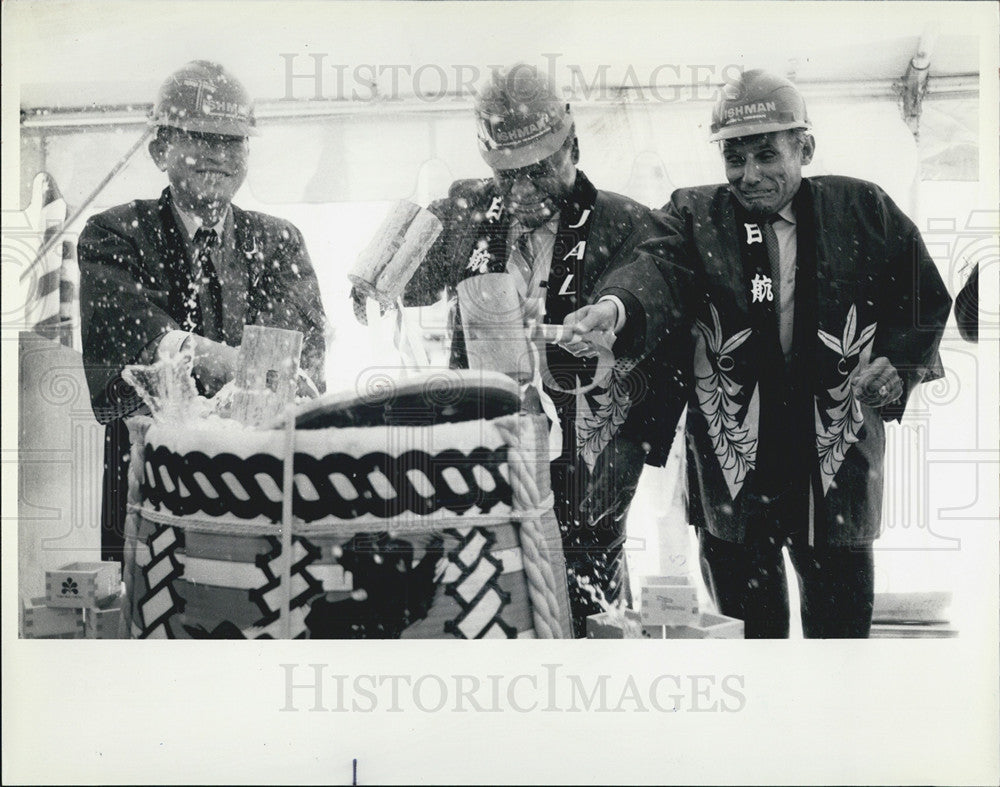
(839, 429)
(720, 401)
(594, 430)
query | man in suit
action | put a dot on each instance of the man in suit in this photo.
(568, 246)
(187, 271)
(818, 311)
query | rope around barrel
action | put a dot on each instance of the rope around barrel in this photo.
(231, 526)
(528, 504)
(537, 567)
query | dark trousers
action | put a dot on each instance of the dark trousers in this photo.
(115, 490)
(591, 509)
(747, 581)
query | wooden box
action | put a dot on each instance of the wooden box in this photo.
(39, 621)
(914, 607)
(668, 601)
(83, 585)
(707, 626)
(612, 625)
(103, 623)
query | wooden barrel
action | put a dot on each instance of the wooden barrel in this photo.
(435, 530)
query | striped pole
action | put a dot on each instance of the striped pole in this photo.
(48, 213)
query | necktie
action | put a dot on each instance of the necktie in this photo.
(784, 313)
(205, 293)
(522, 266)
(774, 257)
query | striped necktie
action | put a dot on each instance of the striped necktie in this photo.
(774, 257)
(204, 289)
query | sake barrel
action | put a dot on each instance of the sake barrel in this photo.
(422, 511)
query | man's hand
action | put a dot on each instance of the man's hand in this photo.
(214, 363)
(878, 383)
(358, 301)
(305, 388)
(601, 316)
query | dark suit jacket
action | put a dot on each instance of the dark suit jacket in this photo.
(134, 274)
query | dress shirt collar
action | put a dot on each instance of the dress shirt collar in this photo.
(550, 227)
(787, 213)
(192, 223)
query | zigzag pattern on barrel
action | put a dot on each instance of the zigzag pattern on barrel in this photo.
(447, 531)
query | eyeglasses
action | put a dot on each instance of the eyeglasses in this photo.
(205, 138)
(545, 168)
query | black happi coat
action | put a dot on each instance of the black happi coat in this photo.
(760, 429)
(608, 433)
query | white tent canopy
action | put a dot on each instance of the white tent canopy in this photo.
(394, 84)
(113, 53)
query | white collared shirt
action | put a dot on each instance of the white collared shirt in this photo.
(545, 243)
(193, 223)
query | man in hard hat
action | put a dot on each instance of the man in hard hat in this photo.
(189, 270)
(568, 245)
(818, 312)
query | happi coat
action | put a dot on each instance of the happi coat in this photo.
(761, 428)
(609, 432)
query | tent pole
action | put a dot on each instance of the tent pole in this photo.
(914, 81)
(119, 165)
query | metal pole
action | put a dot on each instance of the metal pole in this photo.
(287, 490)
(119, 165)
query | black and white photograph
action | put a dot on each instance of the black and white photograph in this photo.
(355, 338)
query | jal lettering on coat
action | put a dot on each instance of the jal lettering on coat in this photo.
(577, 251)
(754, 235)
(495, 209)
(564, 289)
(760, 289)
(480, 258)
